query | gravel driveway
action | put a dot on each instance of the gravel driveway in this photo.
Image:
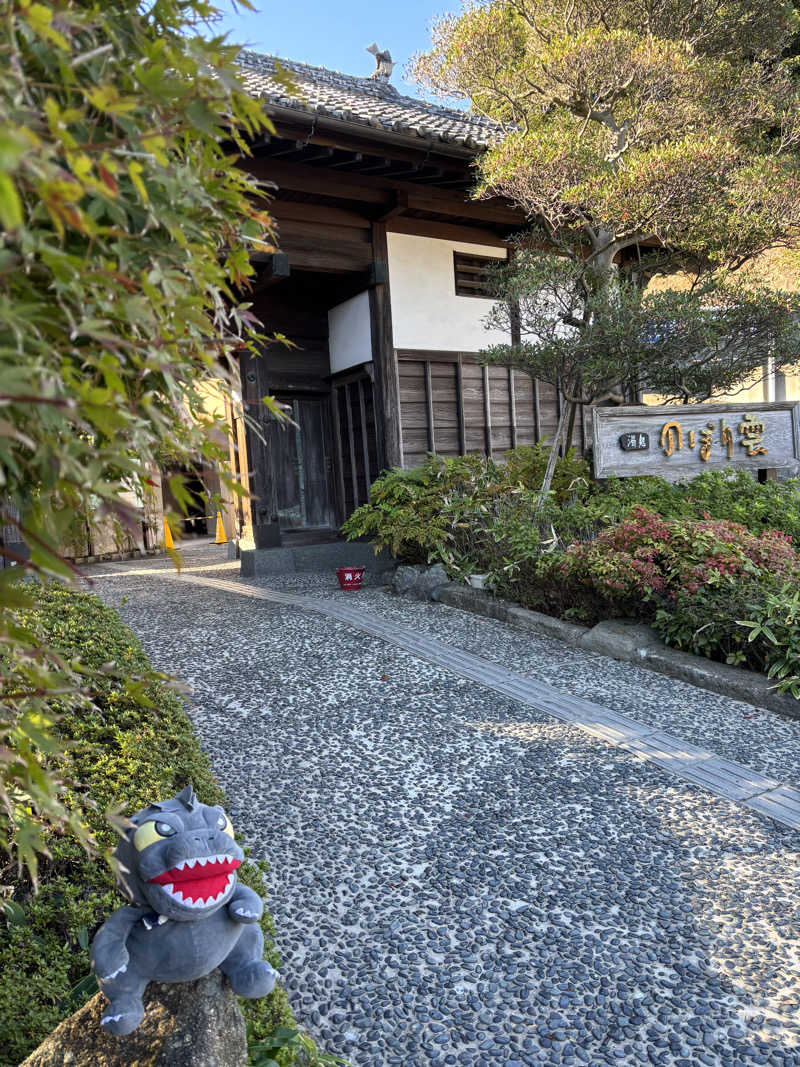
(459, 879)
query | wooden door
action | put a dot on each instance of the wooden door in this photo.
(302, 464)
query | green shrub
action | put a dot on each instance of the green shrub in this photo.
(442, 511)
(756, 624)
(733, 495)
(710, 587)
(118, 753)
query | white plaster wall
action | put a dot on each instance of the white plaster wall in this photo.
(349, 337)
(426, 313)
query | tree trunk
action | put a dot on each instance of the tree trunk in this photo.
(551, 463)
(573, 407)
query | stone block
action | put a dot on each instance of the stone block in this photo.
(190, 1024)
(430, 580)
(623, 639)
(406, 577)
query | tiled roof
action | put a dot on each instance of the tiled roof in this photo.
(362, 101)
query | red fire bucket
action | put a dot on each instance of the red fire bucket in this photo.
(350, 577)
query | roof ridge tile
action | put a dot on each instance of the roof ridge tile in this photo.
(364, 101)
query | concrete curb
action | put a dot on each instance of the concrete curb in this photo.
(631, 642)
(257, 562)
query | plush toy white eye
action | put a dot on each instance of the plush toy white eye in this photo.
(224, 823)
(150, 832)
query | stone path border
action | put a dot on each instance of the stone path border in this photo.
(727, 779)
(628, 642)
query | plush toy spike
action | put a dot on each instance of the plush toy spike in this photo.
(187, 798)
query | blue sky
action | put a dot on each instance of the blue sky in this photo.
(334, 33)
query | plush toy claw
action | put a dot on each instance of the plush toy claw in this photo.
(188, 915)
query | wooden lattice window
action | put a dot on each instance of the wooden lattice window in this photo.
(470, 274)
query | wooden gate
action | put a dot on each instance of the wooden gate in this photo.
(355, 438)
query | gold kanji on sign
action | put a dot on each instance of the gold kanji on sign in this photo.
(706, 441)
(726, 437)
(752, 433)
(671, 437)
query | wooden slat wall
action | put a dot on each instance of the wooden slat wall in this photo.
(452, 405)
(355, 440)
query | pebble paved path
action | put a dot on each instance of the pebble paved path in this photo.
(458, 879)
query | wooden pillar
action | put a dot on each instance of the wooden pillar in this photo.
(337, 440)
(462, 428)
(364, 439)
(512, 407)
(352, 442)
(387, 382)
(260, 457)
(487, 412)
(429, 406)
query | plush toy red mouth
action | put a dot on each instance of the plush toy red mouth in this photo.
(198, 883)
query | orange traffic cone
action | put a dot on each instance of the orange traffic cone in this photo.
(168, 542)
(221, 539)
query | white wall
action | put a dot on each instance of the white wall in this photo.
(349, 337)
(426, 313)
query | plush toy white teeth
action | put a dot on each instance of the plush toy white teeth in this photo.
(201, 861)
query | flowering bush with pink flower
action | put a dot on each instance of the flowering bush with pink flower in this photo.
(708, 586)
(647, 562)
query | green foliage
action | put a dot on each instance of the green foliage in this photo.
(628, 121)
(641, 140)
(125, 243)
(267, 1053)
(646, 559)
(591, 339)
(707, 562)
(709, 623)
(128, 741)
(444, 510)
(733, 495)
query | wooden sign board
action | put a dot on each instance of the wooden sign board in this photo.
(682, 441)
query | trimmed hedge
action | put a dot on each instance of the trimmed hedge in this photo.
(120, 752)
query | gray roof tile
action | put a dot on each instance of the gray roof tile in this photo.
(362, 101)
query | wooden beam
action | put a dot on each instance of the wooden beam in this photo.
(487, 411)
(387, 391)
(273, 268)
(448, 231)
(364, 439)
(444, 203)
(429, 406)
(355, 157)
(537, 412)
(376, 190)
(326, 254)
(332, 216)
(462, 428)
(400, 205)
(351, 438)
(452, 158)
(343, 186)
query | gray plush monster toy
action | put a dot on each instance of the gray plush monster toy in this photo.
(177, 865)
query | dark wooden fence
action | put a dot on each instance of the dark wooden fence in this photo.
(451, 405)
